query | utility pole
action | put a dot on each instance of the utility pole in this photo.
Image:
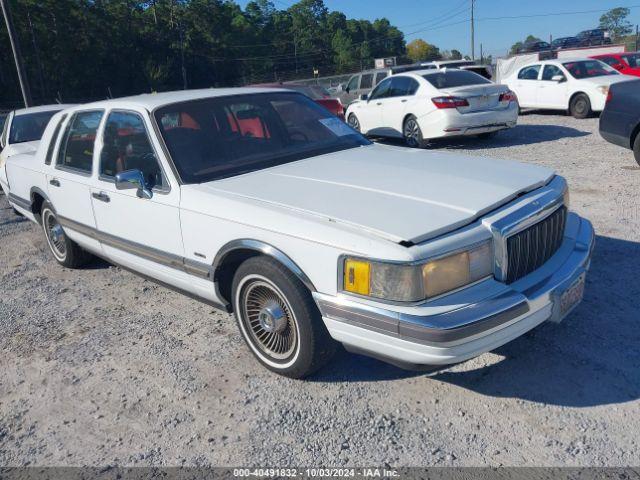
(473, 46)
(636, 38)
(17, 55)
(481, 55)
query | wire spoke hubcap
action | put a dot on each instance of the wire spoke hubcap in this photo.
(354, 123)
(55, 234)
(269, 320)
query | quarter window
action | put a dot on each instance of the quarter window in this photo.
(126, 146)
(53, 141)
(76, 150)
(529, 73)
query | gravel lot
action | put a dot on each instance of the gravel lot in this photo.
(99, 366)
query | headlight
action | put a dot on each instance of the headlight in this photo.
(416, 282)
(603, 89)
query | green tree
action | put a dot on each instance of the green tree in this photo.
(418, 51)
(516, 47)
(615, 21)
(456, 55)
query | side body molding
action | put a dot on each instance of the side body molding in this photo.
(265, 249)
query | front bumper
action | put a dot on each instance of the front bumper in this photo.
(462, 332)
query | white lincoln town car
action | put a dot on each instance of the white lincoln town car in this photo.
(262, 203)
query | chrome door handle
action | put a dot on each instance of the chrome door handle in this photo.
(55, 182)
(378, 103)
(403, 100)
(103, 197)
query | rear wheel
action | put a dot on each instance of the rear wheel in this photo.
(580, 106)
(412, 133)
(354, 122)
(636, 148)
(279, 319)
(64, 250)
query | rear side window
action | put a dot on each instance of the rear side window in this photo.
(551, 71)
(454, 78)
(29, 127)
(403, 86)
(529, 73)
(53, 141)
(367, 80)
(76, 149)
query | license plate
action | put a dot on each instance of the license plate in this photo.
(569, 299)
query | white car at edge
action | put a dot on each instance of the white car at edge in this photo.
(577, 85)
(262, 203)
(427, 104)
(22, 131)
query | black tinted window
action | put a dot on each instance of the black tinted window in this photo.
(30, 126)
(402, 86)
(382, 90)
(380, 76)
(54, 139)
(529, 73)
(367, 80)
(454, 78)
(126, 146)
(551, 71)
(76, 150)
(213, 138)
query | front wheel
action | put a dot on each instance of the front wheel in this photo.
(580, 106)
(412, 133)
(66, 252)
(279, 319)
(354, 122)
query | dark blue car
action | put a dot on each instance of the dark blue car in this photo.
(620, 120)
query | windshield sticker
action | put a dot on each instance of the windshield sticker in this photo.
(337, 126)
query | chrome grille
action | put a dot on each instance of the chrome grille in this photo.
(529, 249)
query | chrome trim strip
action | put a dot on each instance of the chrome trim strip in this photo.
(440, 328)
(197, 269)
(264, 248)
(19, 201)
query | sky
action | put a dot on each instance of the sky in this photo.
(445, 23)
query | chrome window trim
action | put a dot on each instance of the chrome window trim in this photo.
(71, 117)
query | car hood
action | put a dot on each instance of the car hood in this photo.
(398, 194)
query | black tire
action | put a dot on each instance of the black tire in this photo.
(580, 106)
(279, 319)
(636, 149)
(487, 135)
(353, 122)
(412, 133)
(66, 252)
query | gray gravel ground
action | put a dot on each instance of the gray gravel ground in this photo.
(101, 367)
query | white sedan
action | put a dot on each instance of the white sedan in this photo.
(22, 131)
(263, 203)
(579, 86)
(427, 104)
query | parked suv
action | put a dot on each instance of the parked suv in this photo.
(565, 42)
(597, 36)
(536, 46)
(362, 83)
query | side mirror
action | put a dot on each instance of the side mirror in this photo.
(364, 97)
(133, 179)
(558, 78)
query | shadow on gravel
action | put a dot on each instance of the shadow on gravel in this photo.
(592, 358)
(13, 221)
(518, 135)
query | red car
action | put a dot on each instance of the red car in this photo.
(626, 63)
(318, 94)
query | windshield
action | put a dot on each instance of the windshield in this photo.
(632, 59)
(214, 138)
(588, 69)
(454, 78)
(30, 126)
